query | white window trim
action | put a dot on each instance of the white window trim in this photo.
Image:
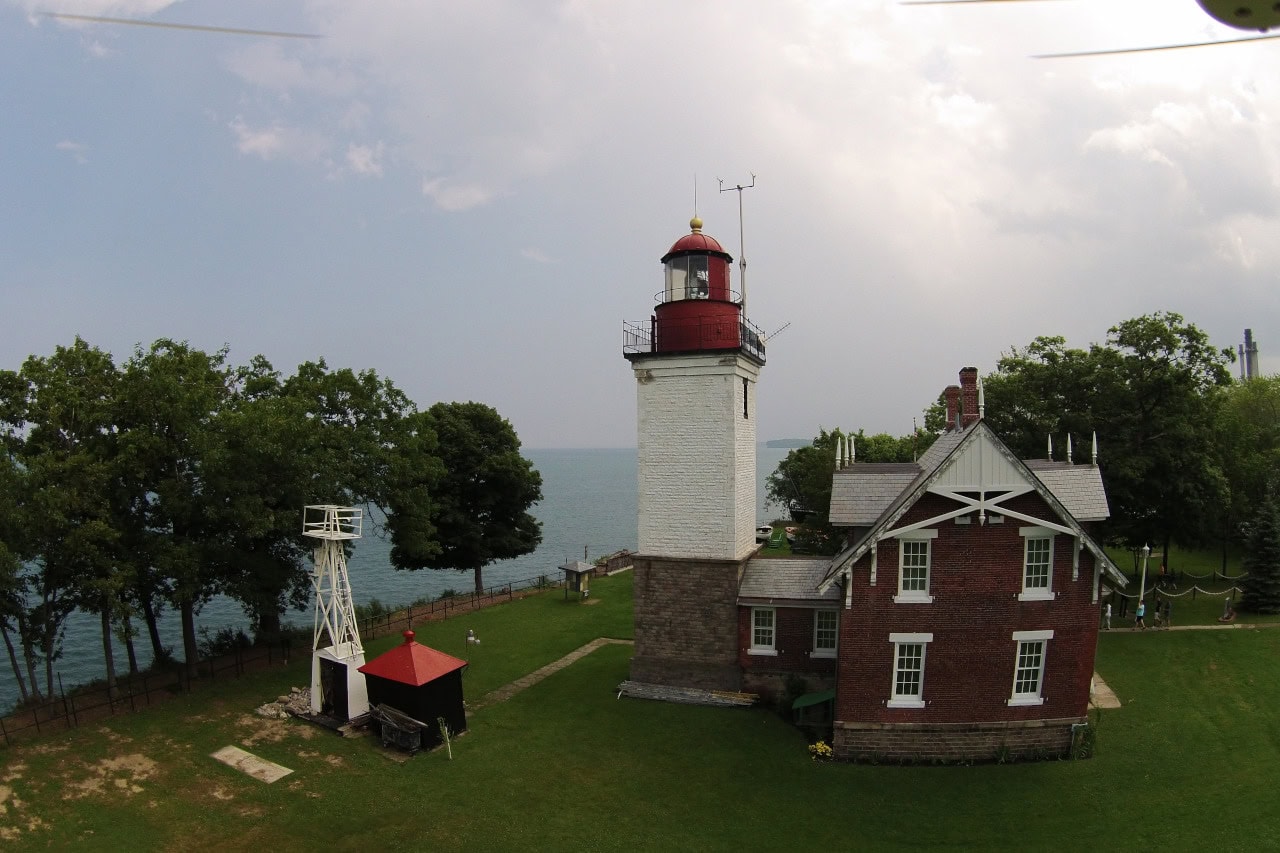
(1036, 594)
(916, 596)
(825, 653)
(770, 650)
(907, 701)
(1022, 700)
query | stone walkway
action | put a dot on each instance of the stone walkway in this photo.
(505, 692)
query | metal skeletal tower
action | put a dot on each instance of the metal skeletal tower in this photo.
(337, 687)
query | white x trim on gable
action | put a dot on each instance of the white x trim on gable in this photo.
(983, 476)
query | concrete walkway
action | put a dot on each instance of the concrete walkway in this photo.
(1102, 696)
(1222, 626)
(505, 692)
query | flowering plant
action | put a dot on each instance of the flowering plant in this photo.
(820, 751)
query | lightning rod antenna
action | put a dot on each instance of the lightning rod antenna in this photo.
(742, 248)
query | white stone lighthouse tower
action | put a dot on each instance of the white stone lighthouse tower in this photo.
(696, 364)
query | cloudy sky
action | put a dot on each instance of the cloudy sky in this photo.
(470, 197)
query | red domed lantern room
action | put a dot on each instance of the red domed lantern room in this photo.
(697, 310)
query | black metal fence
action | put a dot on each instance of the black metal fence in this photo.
(134, 693)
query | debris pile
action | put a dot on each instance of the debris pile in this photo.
(298, 701)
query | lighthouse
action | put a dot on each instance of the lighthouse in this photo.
(696, 364)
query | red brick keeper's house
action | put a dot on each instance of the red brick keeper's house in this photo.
(961, 620)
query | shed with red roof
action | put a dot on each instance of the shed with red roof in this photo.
(422, 683)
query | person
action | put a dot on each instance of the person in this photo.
(1106, 617)
(1138, 614)
(1155, 615)
(1168, 619)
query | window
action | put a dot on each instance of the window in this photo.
(1028, 667)
(913, 567)
(762, 631)
(907, 690)
(824, 633)
(1037, 564)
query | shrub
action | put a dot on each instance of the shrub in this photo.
(221, 642)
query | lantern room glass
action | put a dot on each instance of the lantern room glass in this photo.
(688, 277)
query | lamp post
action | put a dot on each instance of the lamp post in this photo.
(1146, 552)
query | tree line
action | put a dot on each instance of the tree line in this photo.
(177, 476)
(1188, 454)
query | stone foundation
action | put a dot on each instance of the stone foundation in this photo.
(923, 743)
(686, 623)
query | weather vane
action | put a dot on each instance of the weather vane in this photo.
(742, 248)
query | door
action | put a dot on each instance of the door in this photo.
(333, 689)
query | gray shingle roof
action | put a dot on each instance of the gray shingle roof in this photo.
(861, 492)
(778, 580)
(1077, 487)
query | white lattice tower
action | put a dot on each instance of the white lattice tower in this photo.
(335, 616)
(335, 612)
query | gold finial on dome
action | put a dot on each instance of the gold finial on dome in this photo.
(695, 225)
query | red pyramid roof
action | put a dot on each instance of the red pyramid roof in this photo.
(412, 663)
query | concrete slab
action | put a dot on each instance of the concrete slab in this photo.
(1102, 696)
(248, 763)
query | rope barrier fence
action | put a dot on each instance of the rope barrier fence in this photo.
(1165, 593)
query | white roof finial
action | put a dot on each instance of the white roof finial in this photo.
(853, 451)
(1094, 454)
(1070, 460)
(1050, 447)
(982, 400)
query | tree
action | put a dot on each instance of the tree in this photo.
(1248, 436)
(169, 395)
(803, 479)
(12, 583)
(1261, 588)
(320, 436)
(1150, 393)
(58, 428)
(480, 507)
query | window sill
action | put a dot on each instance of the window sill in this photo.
(1037, 595)
(828, 654)
(912, 598)
(769, 653)
(905, 703)
(1025, 701)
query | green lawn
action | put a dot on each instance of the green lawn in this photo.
(1198, 569)
(1189, 762)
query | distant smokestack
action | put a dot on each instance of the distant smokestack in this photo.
(1248, 356)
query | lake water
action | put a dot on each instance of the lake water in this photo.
(589, 502)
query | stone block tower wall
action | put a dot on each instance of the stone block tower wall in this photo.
(686, 623)
(696, 436)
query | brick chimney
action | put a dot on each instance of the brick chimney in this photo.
(968, 396)
(952, 394)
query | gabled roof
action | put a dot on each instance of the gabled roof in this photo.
(1079, 487)
(781, 580)
(958, 459)
(412, 663)
(862, 491)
